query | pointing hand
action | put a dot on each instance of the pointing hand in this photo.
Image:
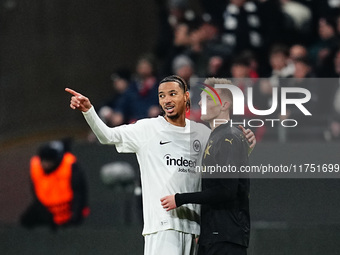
(78, 101)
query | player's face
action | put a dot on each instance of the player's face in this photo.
(172, 99)
(213, 110)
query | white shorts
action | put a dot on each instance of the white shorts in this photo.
(170, 242)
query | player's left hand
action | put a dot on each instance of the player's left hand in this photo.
(249, 135)
(168, 202)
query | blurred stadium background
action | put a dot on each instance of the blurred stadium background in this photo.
(46, 46)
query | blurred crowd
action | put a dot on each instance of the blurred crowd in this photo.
(259, 43)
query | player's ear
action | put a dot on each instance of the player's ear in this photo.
(225, 106)
(186, 96)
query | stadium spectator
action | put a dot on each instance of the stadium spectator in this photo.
(327, 42)
(303, 68)
(108, 113)
(140, 99)
(285, 27)
(297, 51)
(183, 66)
(281, 66)
(215, 65)
(253, 62)
(240, 68)
(59, 188)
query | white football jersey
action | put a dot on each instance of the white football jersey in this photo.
(167, 157)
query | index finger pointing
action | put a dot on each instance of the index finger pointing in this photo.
(71, 91)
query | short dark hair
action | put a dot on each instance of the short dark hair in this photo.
(304, 60)
(241, 61)
(279, 48)
(175, 78)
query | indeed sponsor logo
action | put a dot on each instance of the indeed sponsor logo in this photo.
(170, 161)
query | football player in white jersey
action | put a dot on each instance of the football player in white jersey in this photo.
(168, 149)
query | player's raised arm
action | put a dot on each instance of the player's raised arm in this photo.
(78, 101)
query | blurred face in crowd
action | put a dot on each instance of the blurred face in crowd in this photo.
(240, 71)
(297, 51)
(144, 68)
(215, 63)
(120, 85)
(326, 31)
(278, 60)
(301, 70)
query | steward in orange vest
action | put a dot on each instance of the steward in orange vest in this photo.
(59, 188)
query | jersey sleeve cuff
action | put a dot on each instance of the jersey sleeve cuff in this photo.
(89, 112)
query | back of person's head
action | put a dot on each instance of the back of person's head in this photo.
(180, 62)
(53, 153)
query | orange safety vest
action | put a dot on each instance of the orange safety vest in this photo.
(54, 190)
